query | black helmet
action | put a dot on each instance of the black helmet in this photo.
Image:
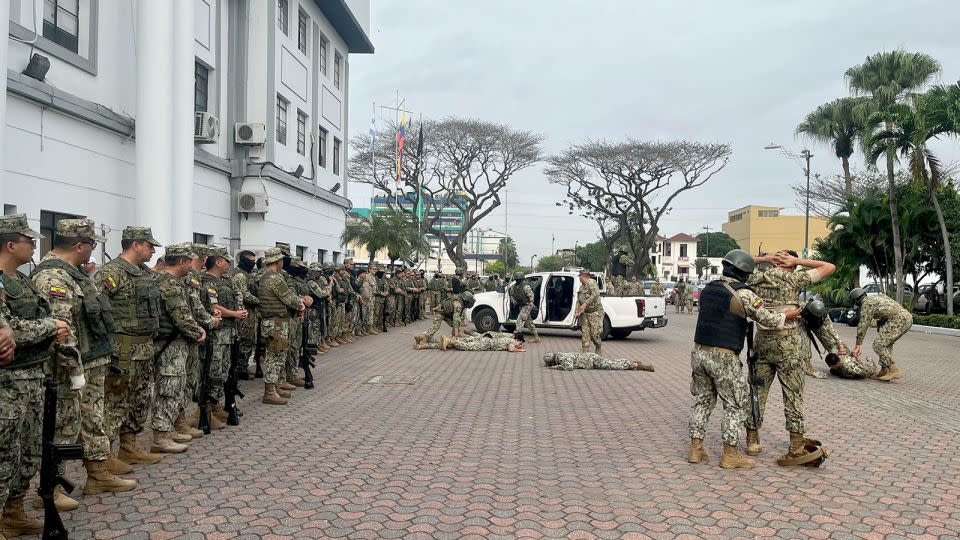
(741, 260)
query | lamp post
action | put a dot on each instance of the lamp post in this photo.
(805, 165)
(532, 257)
(707, 250)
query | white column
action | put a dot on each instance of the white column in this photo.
(4, 47)
(183, 115)
(154, 119)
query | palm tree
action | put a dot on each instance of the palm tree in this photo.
(390, 230)
(887, 77)
(837, 124)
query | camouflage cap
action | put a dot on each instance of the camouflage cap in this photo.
(17, 224)
(297, 261)
(348, 260)
(79, 228)
(220, 251)
(183, 249)
(315, 266)
(285, 250)
(204, 250)
(272, 255)
(140, 233)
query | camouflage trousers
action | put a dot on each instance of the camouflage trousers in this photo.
(851, 368)
(294, 341)
(80, 414)
(525, 321)
(779, 356)
(890, 331)
(21, 422)
(369, 314)
(438, 320)
(591, 326)
(247, 329)
(718, 375)
(171, 368)
(191, 379)
(481, 343)
(219, 363)
(568, 361)
(276, 333)
(433, 300)
(378, 304)
(390, 306)
(128, 395)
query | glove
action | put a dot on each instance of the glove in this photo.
(77, 382)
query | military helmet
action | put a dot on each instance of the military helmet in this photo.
(466, 297)
(518, 276)
(856, 295)
(741, 260)
(816, 308)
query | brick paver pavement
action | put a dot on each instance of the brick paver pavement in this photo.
(494, 444)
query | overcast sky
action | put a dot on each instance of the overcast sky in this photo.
(744, 72)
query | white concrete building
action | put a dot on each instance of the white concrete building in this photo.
(113, 129)
(675, 256)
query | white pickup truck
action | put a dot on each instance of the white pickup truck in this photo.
(555, 294)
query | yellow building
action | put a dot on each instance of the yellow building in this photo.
(763, 228)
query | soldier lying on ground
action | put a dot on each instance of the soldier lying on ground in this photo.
(492, 341)
(846, 366)
(569, 361)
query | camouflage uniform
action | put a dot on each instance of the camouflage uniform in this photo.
(367, 291)
(474, 284)
(523, 296)
(244, 284)
(656, 289)
(198, 302)
(893, 321)
(492, 283)
(633, 288)
(220, 290)
(681, 289)
(317, 286)
(568, 361)
(449, 311)
(435, 291)
(295, 333)
(278, 305)
(482, 343)
(591, 320)
(397, 295)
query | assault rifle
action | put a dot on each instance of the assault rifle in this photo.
(308, 348)
(259, 352)
(53, 455)
(752, 380)
(203, 398)
(231, 388)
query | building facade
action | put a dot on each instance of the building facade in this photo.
(674, 257)
(764, 228)
(137, 119)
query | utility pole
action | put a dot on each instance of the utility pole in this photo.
(553, 240)
(707, 250)
(806, 227)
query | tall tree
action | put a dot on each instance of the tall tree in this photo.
(836, 123)
(887, 77)
(719, 242)
(460, 164)
(507, 249)
(391, 230)
(550, 263)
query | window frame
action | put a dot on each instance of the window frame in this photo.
(337, 144)
(301, 252)
(303, 24)
(337, 70)
(283, 16)
(302, 132)
(48, 227)
(197, 66)
(86, 62)
(321, 255)
(322, 144)
(281, 134)
(58, 34)
(324, 48)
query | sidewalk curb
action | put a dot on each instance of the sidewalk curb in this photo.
(935, 330)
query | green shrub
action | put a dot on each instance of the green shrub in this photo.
(941, 321)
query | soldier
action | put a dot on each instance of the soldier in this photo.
(457, 284)
(320, 293)
(436, 288)
(815, 326)
(725, 306)
(482, 343)
(681, 291)
(244, 282)
(178, 333)
(590, 311)
(228, 304)
(474, 284)
(521, 295)
(349, 305)
(296, 282)
(568, 361)
(128, 282)
(657, 288)
(893, 321)
(778, 349)
(28, 330)
(368, 290)
(399, 294)
(74, 299)
(278, 306)
(203, 314)
(387, 301)
(846, 366)
(492, 284)
(449, 311)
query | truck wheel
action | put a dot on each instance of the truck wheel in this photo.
(485, 320)
(620, 333)
(605, 333)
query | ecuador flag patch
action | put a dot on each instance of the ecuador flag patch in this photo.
(57, 292)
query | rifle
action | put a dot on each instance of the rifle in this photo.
(258, 353)
(752, 379)
(203, 399)
(53, 455)
(307, 349)
(231, 388)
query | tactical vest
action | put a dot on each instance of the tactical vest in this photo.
(137, 311)
(95, 309)
(717, 325)
(449, 306)
(224, 293)
(270, 304)
(519, 295)
(166, 326)
(26, 302)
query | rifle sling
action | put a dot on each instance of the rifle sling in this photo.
(173, 337)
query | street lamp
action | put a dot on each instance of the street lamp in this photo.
(806, 170)
(532, 257)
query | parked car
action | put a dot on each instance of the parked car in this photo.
(931, 298)
(876, 288)
(667, 287)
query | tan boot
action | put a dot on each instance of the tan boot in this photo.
(183, 427)
(445, 343)
(640, 366)
(892, 372)
(15, 520)
(270, 396)
(61, 500)
(215, 423)
(732, 459)
(131, 453)
(753, 442)
(217, 410)
(163, 443)
(282, 393)
(178, 437)
(116, 466)
(286, 386)
(536, 339)
(698, 454)
(100, 480)
(419, 338)
(297, 382)
(880, 374)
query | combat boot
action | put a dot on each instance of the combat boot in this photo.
(132, 454)
(163, 442)
(61, 501)
(878, 375)
(215, 423)
(184, 428)
(419, 338)
(731, 459)
(640, 366)
(298, 381)
(217, 410)
(753, 442)
(444, 343)
(116, 466)
(180, 437)
(100, 480)
(892, 372)
(698, 454)
(536, 339)
(270, 396)
(15, 520)
(286, 386)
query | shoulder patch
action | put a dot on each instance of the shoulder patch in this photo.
(110, 283)
(194, 283)
(212, 292)
(57, 292)
(757, 303)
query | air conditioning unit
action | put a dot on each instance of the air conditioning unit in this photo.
(253, 202)
(250, 133)
(206, 127)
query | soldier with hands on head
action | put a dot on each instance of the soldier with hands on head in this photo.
(893, 321)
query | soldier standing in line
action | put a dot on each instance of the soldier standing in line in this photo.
(244, 282)
(27, 333)
(229, 305)
(521, 295)
(178, 333)
(129, 284)
(385, 299)
(199, 302)
(893, 321)
(400, 294)
(296, 282)
(368, 291)
(278, 307)
(74, 299)
(349, 305)
(590, 311)
(726, 304)
(320, 293)
(568, 361)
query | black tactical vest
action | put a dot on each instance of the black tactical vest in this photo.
(26, 302)
(717, 325)
(137, 311)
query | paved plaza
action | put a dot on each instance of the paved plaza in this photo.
(398, 443)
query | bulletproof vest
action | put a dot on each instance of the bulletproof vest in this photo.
(717, 324)
(26, 302)
(96, 312)
(224, 293)
(270, 304)
(165, 325)
(519, 295)
(448, 306)
(137, 310)
(300, 287)
(617, 268)
(458, 286)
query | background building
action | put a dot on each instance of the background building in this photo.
(674, 256)
(138, 117)
(757, 228)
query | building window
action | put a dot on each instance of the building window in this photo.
(683, 250)
(48, 225)
(351, 253)
(61, 23)
(336, 257)
(323, 55)
(768, 213)
(666, 249)
(736, 217)
(201, 86)
(683, 270)
(321, 256)
(281, 119)
(302, 252)
(301, 133)
(336, 156)
(322, 143)
(200, 238)
(283, 17)
(337, 68)
(302, 21)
